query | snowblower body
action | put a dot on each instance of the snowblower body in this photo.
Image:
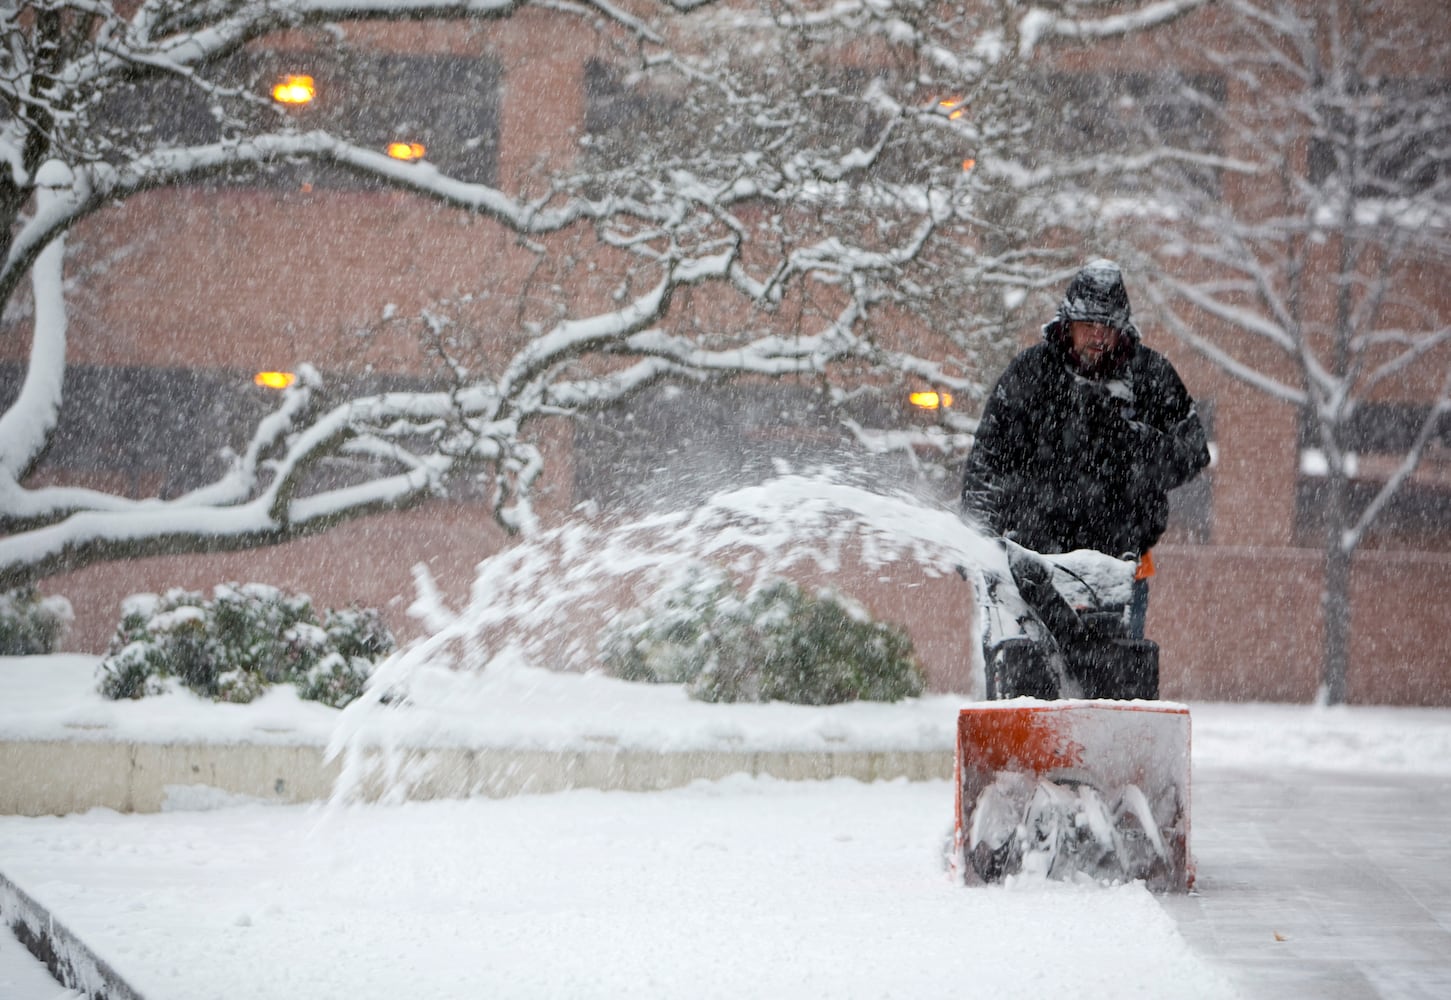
(1072, 767)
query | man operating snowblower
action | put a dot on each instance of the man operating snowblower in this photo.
(1079, 445)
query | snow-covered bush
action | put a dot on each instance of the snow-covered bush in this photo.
(245, 638)
(30, 623)
(777, 644)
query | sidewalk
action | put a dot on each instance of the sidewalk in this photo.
(1321, 885)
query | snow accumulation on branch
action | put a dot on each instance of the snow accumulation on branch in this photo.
(1039, 24)
(26, 426)
(96, 185)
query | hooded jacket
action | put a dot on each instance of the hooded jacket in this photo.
(1066, 461)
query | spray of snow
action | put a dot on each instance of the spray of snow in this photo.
(545, 601)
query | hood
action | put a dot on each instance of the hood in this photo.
(1096, 295)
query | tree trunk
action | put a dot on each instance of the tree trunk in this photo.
(1336, 604)
(1335, 600)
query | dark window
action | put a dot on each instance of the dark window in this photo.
(679, 444)
(1379, 435)
(623, 115)
(1388, 138)
(448, 104)
(147, 426)
(631, 117)
(166, 431)
(1382, 428)
(1127, 114)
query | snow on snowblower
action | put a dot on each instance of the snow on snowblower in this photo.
(1072, 767)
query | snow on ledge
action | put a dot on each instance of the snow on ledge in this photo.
(515, 706)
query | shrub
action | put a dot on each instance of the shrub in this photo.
(246, 638)
(31, 624)
(778, 644)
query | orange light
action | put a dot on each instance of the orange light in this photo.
(406, 150)
(294, 90)
(957, 114)
(931, 400)
(948, 103)
(968, 164)
(274, 380)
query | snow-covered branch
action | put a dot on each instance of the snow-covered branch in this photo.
(812, 205)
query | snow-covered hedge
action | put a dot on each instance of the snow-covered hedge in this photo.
(30, 623)
(777, 644)
(248, 636)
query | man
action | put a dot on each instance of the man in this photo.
(1085, 434)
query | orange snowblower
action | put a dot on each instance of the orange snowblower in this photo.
(1072, 768)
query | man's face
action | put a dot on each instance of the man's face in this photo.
(1091, 342)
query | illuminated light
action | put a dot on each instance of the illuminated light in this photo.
(968, 164)
(274, 380)
(294, 90)
(957, 114)
(931, 400)
(948, 103)
(406, 150)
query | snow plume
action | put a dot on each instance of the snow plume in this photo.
(546, 600)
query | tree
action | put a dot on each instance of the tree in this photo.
(823, 244)
(1312, 255)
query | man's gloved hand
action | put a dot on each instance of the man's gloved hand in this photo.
(1101, 408)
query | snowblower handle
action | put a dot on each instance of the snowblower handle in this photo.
(1145, 567)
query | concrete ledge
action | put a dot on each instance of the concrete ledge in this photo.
(72, 964)
(55, 777)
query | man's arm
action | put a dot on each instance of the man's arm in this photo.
(1177, 449)
(993, 475)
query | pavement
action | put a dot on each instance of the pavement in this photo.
(1325, 886)
(1310, 885)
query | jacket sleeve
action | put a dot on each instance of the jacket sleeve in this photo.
(994, 478)
(1175, 446)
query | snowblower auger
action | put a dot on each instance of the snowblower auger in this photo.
(1061, 787)
(1084, 785)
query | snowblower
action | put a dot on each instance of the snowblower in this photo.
(1072, 767)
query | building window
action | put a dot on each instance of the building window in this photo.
(1376, 440)
(823, 105)
(679, 444)
(142, 431)
(448, 106)
(1126, 114)
(1392, 136)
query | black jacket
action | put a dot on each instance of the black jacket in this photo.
(1064, 462)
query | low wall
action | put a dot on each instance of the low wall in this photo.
(57, 777)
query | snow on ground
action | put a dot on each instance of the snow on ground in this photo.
(744, 887)
(24, 978)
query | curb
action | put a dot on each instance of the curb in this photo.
(67, 957)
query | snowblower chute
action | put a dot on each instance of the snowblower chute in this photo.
(1062, 787)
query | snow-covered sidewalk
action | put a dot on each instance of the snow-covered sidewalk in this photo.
(746, 887)
(741, 887)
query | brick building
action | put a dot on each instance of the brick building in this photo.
(298, 265)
